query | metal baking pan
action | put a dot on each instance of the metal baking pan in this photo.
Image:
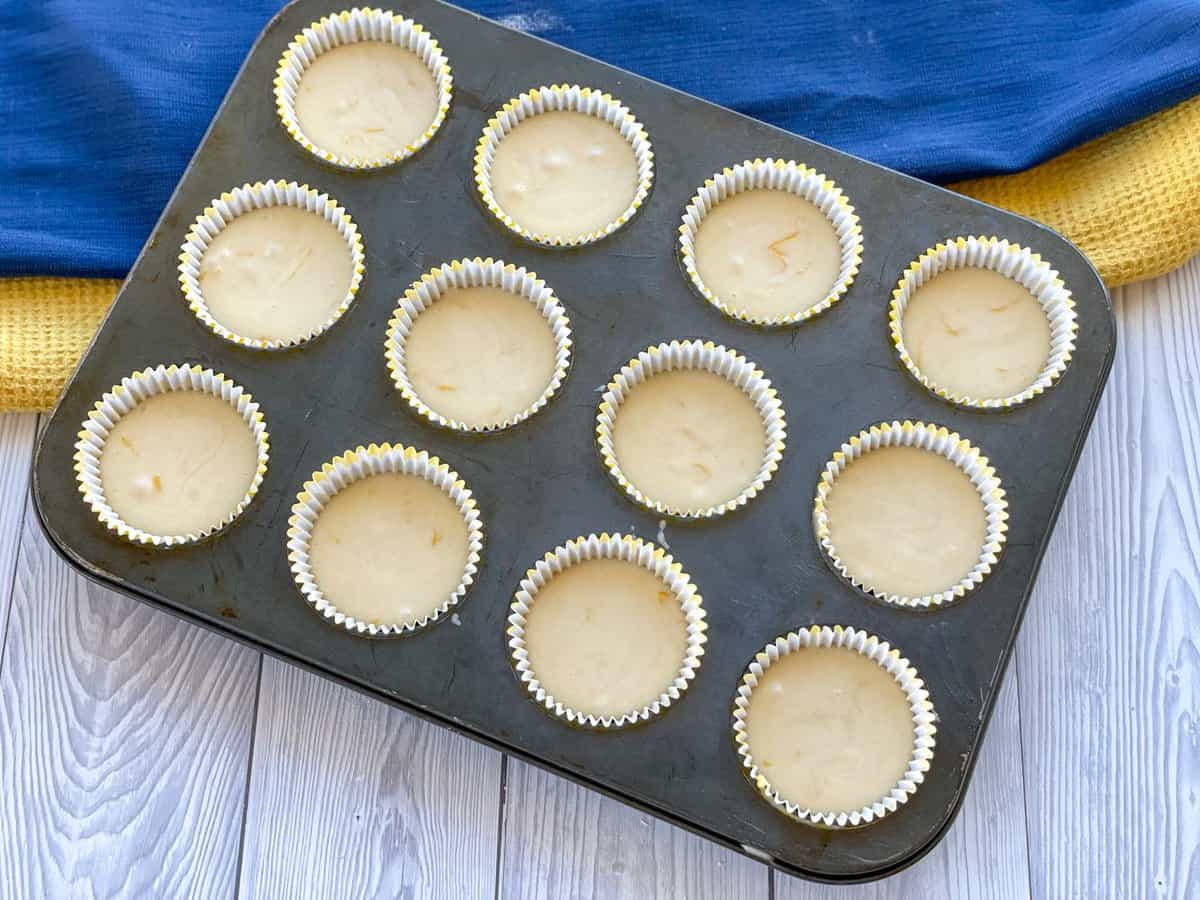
(759, 570)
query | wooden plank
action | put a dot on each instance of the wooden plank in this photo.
(352, 798)
(1110, 650)
(16, 454)
(562, 840)
(124, 741)
(984, 853)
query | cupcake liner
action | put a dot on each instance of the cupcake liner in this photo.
(119, 401)
(1013, 261)
(935, 439)
(343, 471)
(605, 546)
(889, 659)
(562, 97)
(223, 210)
(710, 357)
(466, 273)
(777, 175)
(350, 27)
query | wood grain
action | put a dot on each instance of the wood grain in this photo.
(562, 840)
(352, 798)
(16, 454)
(124, 740)
(984, 853)
(1110, 649)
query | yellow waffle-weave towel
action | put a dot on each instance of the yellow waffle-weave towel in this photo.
(1130, 200)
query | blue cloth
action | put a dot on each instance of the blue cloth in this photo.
(103, 103)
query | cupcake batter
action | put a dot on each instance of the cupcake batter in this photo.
(829, 729)
(906, 521)
(178, 463)
(480, 355)
(977, 333)
(389, 549)
(768, 253)
(689, 439)
(606, 637)
(366, 100)
(275, 273)
(564, 174)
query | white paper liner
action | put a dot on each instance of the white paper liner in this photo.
(118, 402)
(563, 97)
(946, 443)
(343, 471)
(247, 198)
(778, 175)
(709, 357)
(1013, 261)
(605, 546)
(889, 659)
(467, 273)
(350, 27)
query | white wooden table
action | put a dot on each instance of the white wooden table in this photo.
(144, 757)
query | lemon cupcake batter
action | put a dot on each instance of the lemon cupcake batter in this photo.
(690, 439)
(767, 252)
(178, 463)
(366, 100)
(606, 637)
(564, 174)
(829, 729)
(977, 333)
(276, 273)
(480, 355)
(389, 549)
(906, 521)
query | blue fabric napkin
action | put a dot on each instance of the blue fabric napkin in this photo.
(102, 103)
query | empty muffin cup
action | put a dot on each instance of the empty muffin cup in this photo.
(171, 455)
(563, 165)
(983, 323)
(833, 727)
(606, 631)
(363, 88)
(770, 242)
(271, 265)
(384, 540)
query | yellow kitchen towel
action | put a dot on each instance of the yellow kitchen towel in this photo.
(1130, 200)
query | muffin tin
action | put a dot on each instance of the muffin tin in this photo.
(541, 483)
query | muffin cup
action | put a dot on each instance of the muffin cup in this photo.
(353, 466)
(616, 546)
(468, 273)
(943, 442)
(247, 198)
(119, 401)
(889, 659)
(1013, 261)
(708, 357)
(779, 175)
(562, 97)
(351, 27)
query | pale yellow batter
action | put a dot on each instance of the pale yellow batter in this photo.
(689, 439)
(389, 549)
(829, 729)
(769, 253)
(606, 637)
(275, 273)
(366, 100)
(977, 333)
(480, 355)
(564, 174)
(906, 521)
(178, 463)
